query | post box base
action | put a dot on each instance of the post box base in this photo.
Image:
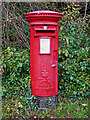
(47, 102)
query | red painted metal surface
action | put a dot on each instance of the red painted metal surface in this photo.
(44, 52)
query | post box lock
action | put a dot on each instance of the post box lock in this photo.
(53, 65)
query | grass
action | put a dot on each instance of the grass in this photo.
(64, 109)
(77, 109)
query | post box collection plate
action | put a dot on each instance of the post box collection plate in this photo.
(44, 45)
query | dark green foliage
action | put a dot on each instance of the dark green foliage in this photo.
(16, 81)
(73, 56)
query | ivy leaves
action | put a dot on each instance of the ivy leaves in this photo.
(73, 56)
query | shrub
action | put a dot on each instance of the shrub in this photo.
(73, 56)
(16, 81)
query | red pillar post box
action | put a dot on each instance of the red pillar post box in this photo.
(44, 52)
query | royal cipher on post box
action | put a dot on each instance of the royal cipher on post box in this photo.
(44, 52)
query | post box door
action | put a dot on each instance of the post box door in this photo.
(45, 69)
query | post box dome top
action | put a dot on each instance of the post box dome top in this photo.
(45, 14)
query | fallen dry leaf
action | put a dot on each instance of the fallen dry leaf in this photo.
(51, 116)
(71, 103)
(35, 116)
(84, 105)
(4, 65)
(78, 109)
(2, 70)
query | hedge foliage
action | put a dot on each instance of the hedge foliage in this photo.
(73, 56)
(16, 81)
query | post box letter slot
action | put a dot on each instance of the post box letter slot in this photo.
(44, 46)
(45, 31)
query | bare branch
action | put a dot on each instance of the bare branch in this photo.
(85, 9)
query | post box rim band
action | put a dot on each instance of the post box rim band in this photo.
(44, 13)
